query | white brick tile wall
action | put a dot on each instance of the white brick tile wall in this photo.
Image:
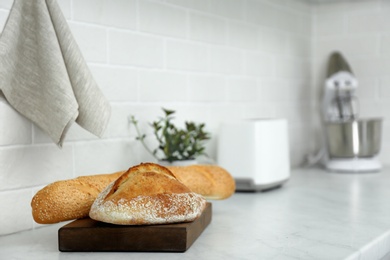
(3, 18)
(208, 28)
(291, 22)
(212, 61)
(119, 123)
(364, 6)
(117, 83)
(65, 6)
(198, 5)
(347, 7)
(147, 112)
(206, 88)
(15, 211)
(92, 41)
(365, 23)
(226, 60)
(272, 41)
(185, 55)
(385, 20)
(370, 67)
(259, 65)
(92, 157)
(242, 35)
(6, 4)
(242, 90)
(368, 88)
(385, 44)
(231, 9)
(262, 13)
(158, 18)
(293, 68)
(371, 108)
(26, 166)
(260, 110)
(221, 112)
(384, 90)
(155, 86)
(118, 13)
(298, 90)
(330, 24)
(128, 48)
(274, 90)
(351, 45)
(75, 133)
(15, 129)
(297, 6)
(299, 46)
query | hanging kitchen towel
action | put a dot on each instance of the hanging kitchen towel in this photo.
(43, 74)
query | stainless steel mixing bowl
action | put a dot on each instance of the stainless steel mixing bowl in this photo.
(355, 138)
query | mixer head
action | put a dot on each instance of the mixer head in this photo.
(340, 102)
(339, 75)
(337, 63)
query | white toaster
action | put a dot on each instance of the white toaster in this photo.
(255, 152)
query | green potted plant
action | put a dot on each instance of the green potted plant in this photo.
(174, 144)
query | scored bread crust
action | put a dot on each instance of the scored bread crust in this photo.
(144, 195)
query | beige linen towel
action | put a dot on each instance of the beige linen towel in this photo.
(43, 74)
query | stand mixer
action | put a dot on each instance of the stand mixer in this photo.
(350, 144)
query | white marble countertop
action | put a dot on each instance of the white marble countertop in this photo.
(316, 215)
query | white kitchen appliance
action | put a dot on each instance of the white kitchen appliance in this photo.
(255, 152)
(350, 143)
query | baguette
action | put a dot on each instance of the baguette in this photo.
(72, 199)
(69, 199)
(211, 181)
(147, 194)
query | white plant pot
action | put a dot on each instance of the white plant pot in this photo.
(177, 163)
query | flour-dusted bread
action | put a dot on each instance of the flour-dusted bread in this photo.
(144, 195)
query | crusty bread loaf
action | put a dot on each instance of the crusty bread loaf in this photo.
(144, 195)
(72, 199)
(211, 181)
(69, 199)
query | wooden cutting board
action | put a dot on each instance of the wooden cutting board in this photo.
(88, 235)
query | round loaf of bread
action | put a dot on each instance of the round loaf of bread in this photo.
(144, 195)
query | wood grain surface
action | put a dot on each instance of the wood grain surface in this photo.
(88, 235)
